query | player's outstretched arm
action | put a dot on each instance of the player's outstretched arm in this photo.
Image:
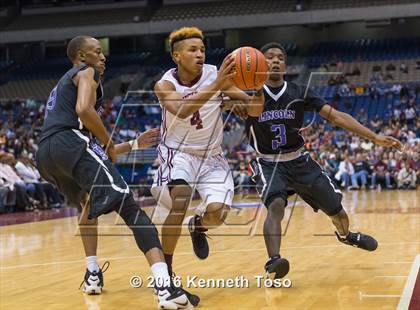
(85, 109)
(242, 104)
(145, 140)
(347, 122)
(182, 107)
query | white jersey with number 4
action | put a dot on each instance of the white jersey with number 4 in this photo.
(202, 132)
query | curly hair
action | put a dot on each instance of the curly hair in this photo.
(183, 34)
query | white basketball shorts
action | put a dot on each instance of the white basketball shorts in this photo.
(210, 176)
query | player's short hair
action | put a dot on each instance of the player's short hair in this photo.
(74, 45)
(267, 46)
(183, 34)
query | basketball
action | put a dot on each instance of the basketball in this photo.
(251, 68)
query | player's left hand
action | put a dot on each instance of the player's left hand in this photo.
(148, 138)
(110, 150)
(388, 141)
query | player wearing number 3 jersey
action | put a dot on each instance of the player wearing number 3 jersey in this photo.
(190, 152)
(282, 164)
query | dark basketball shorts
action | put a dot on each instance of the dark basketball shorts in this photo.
(302, 176)
(79, 166)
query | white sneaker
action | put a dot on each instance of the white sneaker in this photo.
(94, 281)
(173, 298)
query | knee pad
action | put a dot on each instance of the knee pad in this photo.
(144, 231)
(336, 211)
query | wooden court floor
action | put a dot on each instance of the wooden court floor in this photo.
(42, 263)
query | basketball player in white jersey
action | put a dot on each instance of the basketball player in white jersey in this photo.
(190, 152)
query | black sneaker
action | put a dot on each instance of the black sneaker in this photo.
(359, 240)
(277, 267)
(199, 239)
(94, 281)
(173, 298)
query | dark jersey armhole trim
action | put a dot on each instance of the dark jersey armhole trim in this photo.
(96, 75)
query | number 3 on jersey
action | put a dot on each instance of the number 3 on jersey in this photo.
(280, 140)
(196, 120)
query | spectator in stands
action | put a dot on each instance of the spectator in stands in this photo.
(15, 184)
(241, 178)
(367, 145)
(4, 193)
(376, 78)
(356, 71)
(396, 88)
(375, 124)
(376, 68)
(43, 191)
(403, 68)
(373, 91)
(355, 142)
(404, 92)
(397, 113)
(391, 162)
(361, 171)
(410, 114)
(418, 65)
(345, 171)
(406, 177)
(390, 67)
(331, 165)
(344, 90)
(381, 175)
(388, 77)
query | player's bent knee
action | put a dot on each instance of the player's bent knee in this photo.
(276, 208)
(338, 213)
(217, 213)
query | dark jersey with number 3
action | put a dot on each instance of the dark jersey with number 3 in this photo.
(60, 110)
(276, 130)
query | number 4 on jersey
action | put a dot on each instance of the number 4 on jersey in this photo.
(196, 120)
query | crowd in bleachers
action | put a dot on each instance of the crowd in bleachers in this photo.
(21, 186)
(382, 102)
(349, 160)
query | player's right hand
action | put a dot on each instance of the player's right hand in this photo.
(388, 141)
(226, 73)
(148, 138)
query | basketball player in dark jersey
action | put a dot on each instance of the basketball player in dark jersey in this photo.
(283, 165)
(71, 155)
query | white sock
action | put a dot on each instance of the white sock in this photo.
(161, 275)
(92, 263)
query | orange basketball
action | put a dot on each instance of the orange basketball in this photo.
(251, 68)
